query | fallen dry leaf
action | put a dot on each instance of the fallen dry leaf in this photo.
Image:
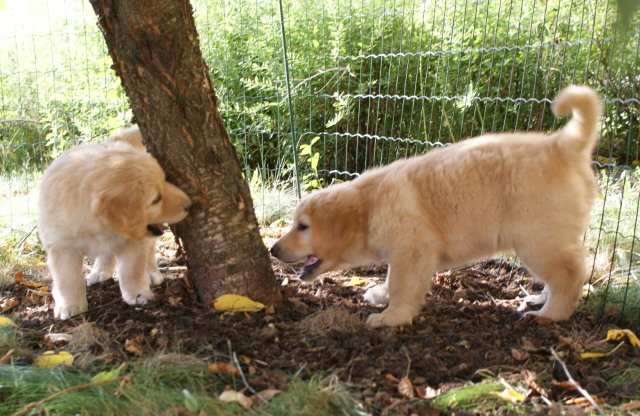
(266, 394)
(519, 354)
(405, 388)
(51, 338)
(7, 357)
(132, 346)
(564, 384)
(224, 368)
(632, 405)
(230, 396)
(391, 377)
(8, 303)
(530, 379)
(426, 393)
(584, 402)
(19, 278)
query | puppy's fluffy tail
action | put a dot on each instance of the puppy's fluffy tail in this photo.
(579, 135)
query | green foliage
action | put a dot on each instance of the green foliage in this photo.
(157, 389)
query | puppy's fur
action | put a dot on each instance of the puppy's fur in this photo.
(98, 200)
(104, 265)
(527, 192)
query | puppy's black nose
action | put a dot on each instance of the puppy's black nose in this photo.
(274, 250)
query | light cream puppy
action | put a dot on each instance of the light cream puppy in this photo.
(528, 192)
(104, 265)
(102, 199)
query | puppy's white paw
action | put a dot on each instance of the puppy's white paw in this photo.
(138, 297)
(96, 277)
(387, 318)
(155, 277)
(532, 300)
(554, 314)
(67, 310)
(378, 295)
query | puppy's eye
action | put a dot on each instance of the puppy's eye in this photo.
(157, 200)
(302, 227)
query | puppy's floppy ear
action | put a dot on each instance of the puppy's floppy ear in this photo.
(123, 211)
(337, 221)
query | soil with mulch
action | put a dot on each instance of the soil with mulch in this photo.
(468, 331)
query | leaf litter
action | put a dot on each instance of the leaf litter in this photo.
(468, 332)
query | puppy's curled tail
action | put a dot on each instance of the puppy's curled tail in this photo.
(579, 135)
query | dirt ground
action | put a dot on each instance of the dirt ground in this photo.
(468, 330)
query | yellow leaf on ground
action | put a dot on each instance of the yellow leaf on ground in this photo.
(19, 278)
(49, 359)
(4, 321)
(593, 355)
(355, 281)
(509, 395)
(236, 303)
(617, 334)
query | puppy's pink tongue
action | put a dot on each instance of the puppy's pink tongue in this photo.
(308, 266)
(310, 260)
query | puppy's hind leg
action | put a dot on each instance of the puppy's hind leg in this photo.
(563, 272)
(407, 286)
(69, 290)
(132, 266)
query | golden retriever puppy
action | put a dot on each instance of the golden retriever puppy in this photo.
(528, 192)
(102, 199)
(104, 265)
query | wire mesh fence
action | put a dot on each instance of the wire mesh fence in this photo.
(315, 92)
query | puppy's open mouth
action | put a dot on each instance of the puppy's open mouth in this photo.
(155, 229)
(309, 266)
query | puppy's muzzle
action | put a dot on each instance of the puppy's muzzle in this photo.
(274, 250)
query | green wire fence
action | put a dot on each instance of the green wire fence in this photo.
(315, 92)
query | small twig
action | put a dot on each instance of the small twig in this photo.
(576, 385)
(406, 353)
(39, 404)
(244, 380)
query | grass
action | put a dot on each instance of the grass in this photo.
(150, 388)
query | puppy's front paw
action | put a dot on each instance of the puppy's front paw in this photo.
(155, 277)
(139, 297)
(67, 310)
(377, 295)
(387, 318)
(96, 277)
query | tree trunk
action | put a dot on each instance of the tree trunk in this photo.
(156, 54)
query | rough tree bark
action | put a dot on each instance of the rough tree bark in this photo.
(156, 54)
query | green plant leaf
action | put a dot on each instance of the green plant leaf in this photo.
(190, 402)
(108, 375)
